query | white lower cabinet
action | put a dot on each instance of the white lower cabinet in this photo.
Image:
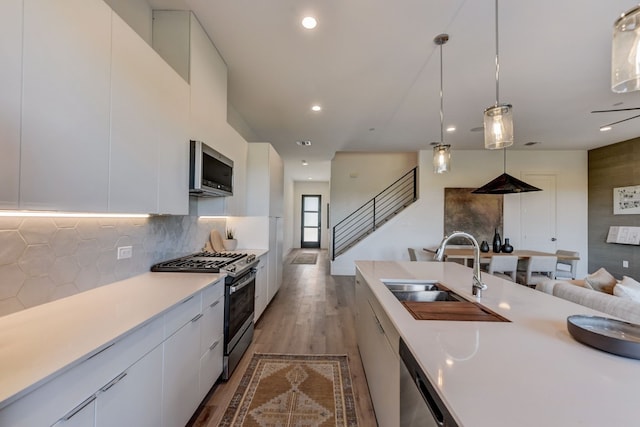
(262, 287)
(181, 374)
(211, 338)
(156, 375)
(378, 342)
(133, 398)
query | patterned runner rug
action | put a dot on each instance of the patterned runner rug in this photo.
(305, 258)
(293, 391)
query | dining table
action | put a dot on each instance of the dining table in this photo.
(466, 254)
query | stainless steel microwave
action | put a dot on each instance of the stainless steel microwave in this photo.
(210, 173)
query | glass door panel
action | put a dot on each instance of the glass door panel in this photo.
(311, 221)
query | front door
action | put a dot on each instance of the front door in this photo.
(310, 234)
(538, 210)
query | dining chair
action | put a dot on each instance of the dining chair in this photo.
(538, 269)
(419, 255)
(503, 266)
(566, 268)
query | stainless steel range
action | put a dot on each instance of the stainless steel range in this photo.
(239, 296)
(206, 262)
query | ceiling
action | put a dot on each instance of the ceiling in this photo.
(373, 67)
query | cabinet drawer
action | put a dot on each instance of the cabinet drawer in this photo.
(211, 365)
(363, 291)
(212, 325)
(182, 313)
(212, 292)
(48, 403)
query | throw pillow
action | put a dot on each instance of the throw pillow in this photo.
(627, 289)
(601, 281)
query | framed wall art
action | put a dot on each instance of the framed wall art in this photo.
(477, 214)
(626, 200)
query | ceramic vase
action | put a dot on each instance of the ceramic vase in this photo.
(230, 244)
(497, 242)
(484, 246)
(507, 248)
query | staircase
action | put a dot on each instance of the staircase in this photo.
(375, 212)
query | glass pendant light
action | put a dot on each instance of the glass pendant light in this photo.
(625, 54)
(441, 151)
(441, 158)
(498, 119)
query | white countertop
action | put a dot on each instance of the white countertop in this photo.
(40, 342)
(529, 372)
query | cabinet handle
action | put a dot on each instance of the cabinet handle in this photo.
(78, 408)
(379, 324)
(195, 319)
(213, 304)
(114, 381)
(187, 300)
(431, 403)
(104, 349)
(214, 345)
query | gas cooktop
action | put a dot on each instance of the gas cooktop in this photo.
(203, 262)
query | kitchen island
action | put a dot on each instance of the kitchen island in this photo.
(525, 372)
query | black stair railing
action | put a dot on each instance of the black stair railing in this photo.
(375, 212)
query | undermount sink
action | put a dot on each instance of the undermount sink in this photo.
(418, 296)
(420, 291)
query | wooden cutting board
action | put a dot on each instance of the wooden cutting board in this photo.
(452, 310)
(216, 241)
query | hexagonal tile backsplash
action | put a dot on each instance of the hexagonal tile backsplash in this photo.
(44, 259)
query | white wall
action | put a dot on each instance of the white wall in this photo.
(422, 224)
(310, 188)
(357, 177)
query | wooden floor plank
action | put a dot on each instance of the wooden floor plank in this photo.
(312, 313)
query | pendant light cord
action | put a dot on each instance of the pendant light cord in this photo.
(504, 159)
(441, 101)
(497, 61)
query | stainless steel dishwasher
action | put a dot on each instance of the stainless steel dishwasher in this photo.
(420, 406)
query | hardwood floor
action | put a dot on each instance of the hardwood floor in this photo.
(312, 313)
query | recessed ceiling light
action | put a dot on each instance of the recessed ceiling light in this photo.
(305, 163)
(605, 128)
(316, 107)
(309, 22)
(451, 129)
(304, 143)
(309, 178)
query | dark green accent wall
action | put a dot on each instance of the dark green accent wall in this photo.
(616, 165)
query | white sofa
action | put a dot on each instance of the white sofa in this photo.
(575, 291)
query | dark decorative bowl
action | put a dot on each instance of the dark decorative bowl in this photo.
(610, 335)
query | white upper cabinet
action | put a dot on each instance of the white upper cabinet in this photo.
(102, 123)
(133, 156)
(265, 180)
(10, 101)
(173, 143)
(149, 119)
(208, 79)
(183, 43)
(65, 107)
(180, 39)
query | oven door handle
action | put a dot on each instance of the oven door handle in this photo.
(251, 277)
